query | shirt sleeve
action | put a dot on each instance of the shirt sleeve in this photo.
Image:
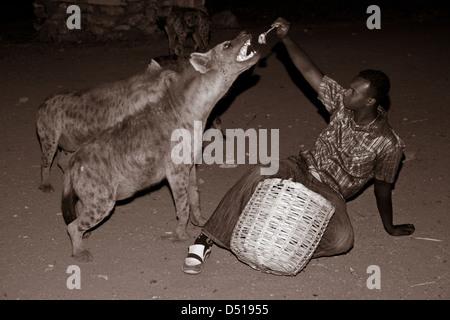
(330, 94)
(387, 164)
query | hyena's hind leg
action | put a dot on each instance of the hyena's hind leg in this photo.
(88, 218)
(63, 159)
(48, 138)
(79, 251)
(89, 211)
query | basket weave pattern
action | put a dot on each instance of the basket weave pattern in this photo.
(280, 227)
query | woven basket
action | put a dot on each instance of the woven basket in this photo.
(280, 227)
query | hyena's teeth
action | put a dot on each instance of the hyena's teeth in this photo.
(243, 52)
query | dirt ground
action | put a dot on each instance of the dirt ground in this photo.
(133, 259)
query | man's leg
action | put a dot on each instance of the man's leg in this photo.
(220, 225)
(337, 238)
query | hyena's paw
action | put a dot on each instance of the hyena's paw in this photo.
(180, 235)
(199, 222)
(47, 188)
(83, 256)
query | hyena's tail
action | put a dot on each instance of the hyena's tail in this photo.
(68, 201)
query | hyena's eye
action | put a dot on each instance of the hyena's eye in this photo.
(227, 45)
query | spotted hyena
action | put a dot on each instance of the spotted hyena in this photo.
(67, 120)
(136, 153)
(180, 22)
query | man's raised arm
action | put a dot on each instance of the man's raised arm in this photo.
(301, 60)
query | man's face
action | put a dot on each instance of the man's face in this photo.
(358, 95)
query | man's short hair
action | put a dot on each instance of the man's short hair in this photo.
(379, 83)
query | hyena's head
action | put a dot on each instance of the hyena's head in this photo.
(191, 18)
(228, 59)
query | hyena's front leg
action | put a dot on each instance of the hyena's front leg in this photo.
(179, 48)
(194, 200)
(171, 36)
(178, 178)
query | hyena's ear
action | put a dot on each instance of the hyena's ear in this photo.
(168, 76)
(153, 66)
(201, 61)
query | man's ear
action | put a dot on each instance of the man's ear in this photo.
(371, 101)
(201, 61)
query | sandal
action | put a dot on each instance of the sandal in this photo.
(194, 262)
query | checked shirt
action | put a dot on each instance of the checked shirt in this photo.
(347, 156)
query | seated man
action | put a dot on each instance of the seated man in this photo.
(358, 145)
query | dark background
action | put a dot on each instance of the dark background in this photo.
(17, 16)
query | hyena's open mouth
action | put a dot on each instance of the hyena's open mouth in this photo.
(246, 52)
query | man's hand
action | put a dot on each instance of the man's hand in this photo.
(401, 230)
(282, 26)
(383, 194)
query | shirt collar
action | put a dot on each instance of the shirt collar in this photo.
(375, 127)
